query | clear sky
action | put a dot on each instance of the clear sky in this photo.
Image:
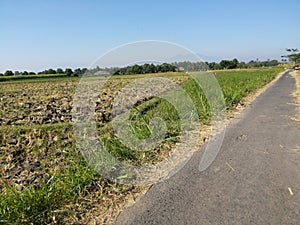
(41, 34)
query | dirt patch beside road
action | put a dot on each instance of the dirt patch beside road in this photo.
(296, 94)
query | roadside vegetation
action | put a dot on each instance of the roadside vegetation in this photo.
(296, 94)
(44, 179)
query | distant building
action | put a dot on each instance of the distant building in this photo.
(102, 72)
(179, 69)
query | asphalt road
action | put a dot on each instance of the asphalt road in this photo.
(255, 178)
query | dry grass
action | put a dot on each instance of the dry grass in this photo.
(296, 94)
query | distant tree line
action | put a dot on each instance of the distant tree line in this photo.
(16, 73)
(190, 66)
(165, 67)
(224, 64)
(67, 71)
(146, 68)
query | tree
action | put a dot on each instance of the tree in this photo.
(59, 71)
(68, 71)
(146, 68)
(152, 68)
(31, 73)
(1, 74)
(242, 65)
(227, 64)
(80, 72)
(136, 69)
(294, 50)
(235, 62)
(294, 57)
(165, 67)
(25, 73)
(83, 71)
(273, 62)
(8, 73)
(77, 72)
(50, 71)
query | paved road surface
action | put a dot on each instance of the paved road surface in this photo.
(263, 148)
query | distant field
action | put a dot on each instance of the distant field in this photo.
(31, 77)
(43, 178)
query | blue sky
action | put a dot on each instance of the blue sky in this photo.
(40, 34)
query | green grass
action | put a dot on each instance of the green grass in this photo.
(32, 77)
(238, 84)
(38, 205)
(234, 84)
(68, 175)
(69, 179)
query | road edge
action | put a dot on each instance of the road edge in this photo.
(231, 116)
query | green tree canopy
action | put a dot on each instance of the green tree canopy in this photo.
(8, 73)
(68, 71)
(59, 71)
(294, 57)
(229, 64)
